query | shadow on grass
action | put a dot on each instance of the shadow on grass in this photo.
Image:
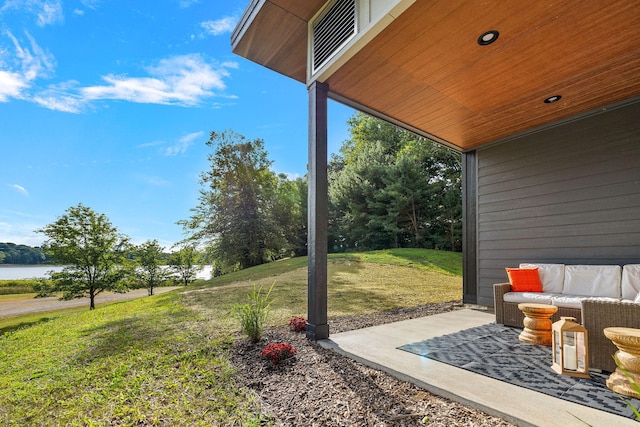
(356, 300)
(25, 324)
(159, 327)
(119, 337)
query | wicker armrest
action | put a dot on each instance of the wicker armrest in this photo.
(597, 315)
(499, 289)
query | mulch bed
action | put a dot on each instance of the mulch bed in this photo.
(319, 387)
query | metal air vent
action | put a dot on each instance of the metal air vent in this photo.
(335, 27)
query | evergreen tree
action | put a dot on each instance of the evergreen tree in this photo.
(391, 188)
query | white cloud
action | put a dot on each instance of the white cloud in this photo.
(20, 189)
(230, 64)
(11, 84)
(154, 180)
(182, 80)
(65, 103)
(150, 144)
(47, 12)
(183, 144)
(220, 26)
(20, 68)
(60, 97)
(35, 63)
(19, 227)
(91, 4)
(187, 3)
(21, 233)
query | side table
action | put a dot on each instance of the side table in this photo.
(537, 323)
(628, 342)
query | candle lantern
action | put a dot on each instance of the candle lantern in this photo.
(570, 348)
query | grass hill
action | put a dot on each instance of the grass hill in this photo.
(163, 360)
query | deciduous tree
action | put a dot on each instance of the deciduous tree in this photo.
(10, 253)
(288, 208)
(185, 263)
(92, 251)
(148, 260)
(247, 215)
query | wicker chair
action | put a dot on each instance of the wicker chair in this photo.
(598, 315)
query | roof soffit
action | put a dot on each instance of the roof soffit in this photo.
(426, 70)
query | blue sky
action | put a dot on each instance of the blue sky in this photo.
(109, 103)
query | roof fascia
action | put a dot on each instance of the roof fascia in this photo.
(245, 21)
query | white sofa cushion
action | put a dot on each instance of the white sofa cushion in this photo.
(537, 297)
(630, 281)
(575, 301)
(551, 276)
(592, 280)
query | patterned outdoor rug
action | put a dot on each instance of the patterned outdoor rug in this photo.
(494, 351)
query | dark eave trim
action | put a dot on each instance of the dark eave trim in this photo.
(247, 18)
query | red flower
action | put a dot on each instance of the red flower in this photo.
(278, 352)
(298, 324)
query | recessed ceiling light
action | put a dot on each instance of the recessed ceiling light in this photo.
(552, 99)
(488, 37)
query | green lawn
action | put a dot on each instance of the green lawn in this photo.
(162, 360)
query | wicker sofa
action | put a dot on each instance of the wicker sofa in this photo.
(597, 296)
(598, 315)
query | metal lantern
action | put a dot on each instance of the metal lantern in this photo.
(569, 343)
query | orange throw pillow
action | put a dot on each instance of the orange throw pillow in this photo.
(524, 279)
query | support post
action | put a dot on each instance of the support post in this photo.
(469, 227)
(318, 213)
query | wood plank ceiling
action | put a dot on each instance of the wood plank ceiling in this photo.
(427, 70)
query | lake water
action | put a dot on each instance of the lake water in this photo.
(17, 272)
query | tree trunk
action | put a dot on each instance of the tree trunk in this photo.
(452, 236)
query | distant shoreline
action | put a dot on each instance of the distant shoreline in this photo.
(33, 271)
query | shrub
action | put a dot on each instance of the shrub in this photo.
(44, 288)
(276, 353)
(19, 286)
(298, 324)
(253, 314)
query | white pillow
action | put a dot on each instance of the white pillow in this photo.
(592, 280)
(551, 276)
(630, 281)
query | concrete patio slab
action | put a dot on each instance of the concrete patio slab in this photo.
(377, 347)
